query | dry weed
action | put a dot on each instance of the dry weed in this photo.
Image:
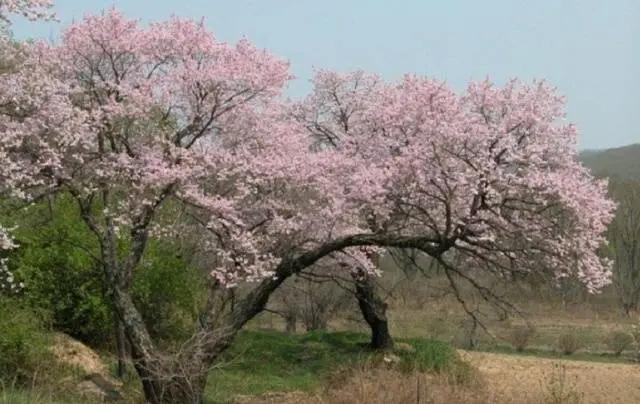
(382, 386)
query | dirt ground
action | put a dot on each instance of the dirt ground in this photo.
(524, 377)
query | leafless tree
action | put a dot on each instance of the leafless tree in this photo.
(624, 237)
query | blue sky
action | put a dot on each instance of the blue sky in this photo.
(589, 49)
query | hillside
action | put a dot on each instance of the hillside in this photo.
(621, 161)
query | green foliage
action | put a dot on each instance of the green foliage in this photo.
(54, 261)
(429, 356)
(167, 292)
(258, 362)
(24, 342)
(57, 262)
(12, 396)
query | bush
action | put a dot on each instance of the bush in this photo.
(520, 336)
(167, 292)
(53, 260)
(569, 342)
(24, 343)
(618, 341)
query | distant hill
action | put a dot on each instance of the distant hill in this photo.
(621, 161)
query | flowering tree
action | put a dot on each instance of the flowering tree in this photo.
(32, 9)
(137, 124)
(133, 122)
(492, 172)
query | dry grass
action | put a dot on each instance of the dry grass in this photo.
(499, 379)
(510, 376)
(74, 353)
(376, 385)
(505, 379)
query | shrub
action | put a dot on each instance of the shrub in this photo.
(618, 341)
(520, 336)
(166, 291)
(53, 260)
(311, 302)
(60, 276)
(635, 333)
(569, 342)
(24, 343)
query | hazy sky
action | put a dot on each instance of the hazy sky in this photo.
(589, 49)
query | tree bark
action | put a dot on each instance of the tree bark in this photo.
(291, 321)
(374, 311)
(171, 380)
(165, 378)
(121, 347)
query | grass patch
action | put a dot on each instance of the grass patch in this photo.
(429, 356)
(260, 362)
(21, 397)
(12, 396)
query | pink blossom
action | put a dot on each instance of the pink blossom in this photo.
(169, 129)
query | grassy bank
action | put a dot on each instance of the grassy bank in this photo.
(261, 362)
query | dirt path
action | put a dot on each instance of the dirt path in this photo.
(525, 377)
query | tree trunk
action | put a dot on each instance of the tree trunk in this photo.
(374, 311)
(291, 321)
(316, 322)
(171, 380)
(214, 337)
(121, 347)
(165, 378)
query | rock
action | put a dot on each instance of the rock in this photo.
(391, 358)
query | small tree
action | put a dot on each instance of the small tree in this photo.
(520, 336)
(619, 341)
(569, 342)
(312, 298)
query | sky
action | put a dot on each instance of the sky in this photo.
(589, 49)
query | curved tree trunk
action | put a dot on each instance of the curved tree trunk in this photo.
(182, 378)
(374, 311)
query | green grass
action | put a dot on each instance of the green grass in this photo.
(269, 361)
(260, 362)
(11, 396)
